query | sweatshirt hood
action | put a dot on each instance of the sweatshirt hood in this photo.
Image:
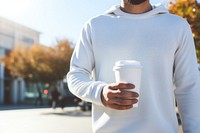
(156, 9)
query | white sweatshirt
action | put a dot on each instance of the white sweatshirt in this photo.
(163, 43)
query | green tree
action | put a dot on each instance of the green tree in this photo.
(189, 10)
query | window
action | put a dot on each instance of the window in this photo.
(27, 40)
(6, 41)
(2, 52)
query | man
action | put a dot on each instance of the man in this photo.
(55, 97)
(39, 98)
(164, 45)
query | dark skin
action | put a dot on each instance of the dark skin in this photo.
(117, 96)
(127, 7)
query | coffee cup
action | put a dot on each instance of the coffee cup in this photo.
(129, 71)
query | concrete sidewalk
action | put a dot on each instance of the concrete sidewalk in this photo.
(34, 119)
(21, 106)
(45, 120)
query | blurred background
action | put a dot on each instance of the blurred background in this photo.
(37, 38)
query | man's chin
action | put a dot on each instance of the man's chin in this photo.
(136, 2)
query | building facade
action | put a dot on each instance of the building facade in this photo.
(11, 35)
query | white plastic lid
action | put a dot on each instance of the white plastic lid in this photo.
(127, 64)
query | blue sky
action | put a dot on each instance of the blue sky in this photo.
(56, 19)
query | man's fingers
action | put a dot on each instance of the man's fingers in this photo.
(117, 96)
(122, 104)
(119, 107)
(121, 86)
(126, 94)
(125, 102)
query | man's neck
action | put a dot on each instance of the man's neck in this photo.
(136, 9)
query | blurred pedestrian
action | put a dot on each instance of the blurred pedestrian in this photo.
(55, 97)
(62, 97)
(39, 98)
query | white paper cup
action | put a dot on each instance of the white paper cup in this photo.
(129, 71)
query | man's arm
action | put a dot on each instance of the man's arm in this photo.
(81, 67)
(187, 82)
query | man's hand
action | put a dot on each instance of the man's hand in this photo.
(117, 96)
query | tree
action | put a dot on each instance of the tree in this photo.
(40, 64)
(189, 10)
(1, 59)
(17, 62)
(59, 60)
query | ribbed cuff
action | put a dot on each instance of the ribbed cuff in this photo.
(97, 98)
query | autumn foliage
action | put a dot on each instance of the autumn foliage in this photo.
(189, 10)
(39, 63)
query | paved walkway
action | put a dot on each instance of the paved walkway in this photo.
(45, 120)
(21, 106)
(35, 119)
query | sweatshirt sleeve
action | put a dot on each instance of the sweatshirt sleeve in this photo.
(187, 82)
(81, 67)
